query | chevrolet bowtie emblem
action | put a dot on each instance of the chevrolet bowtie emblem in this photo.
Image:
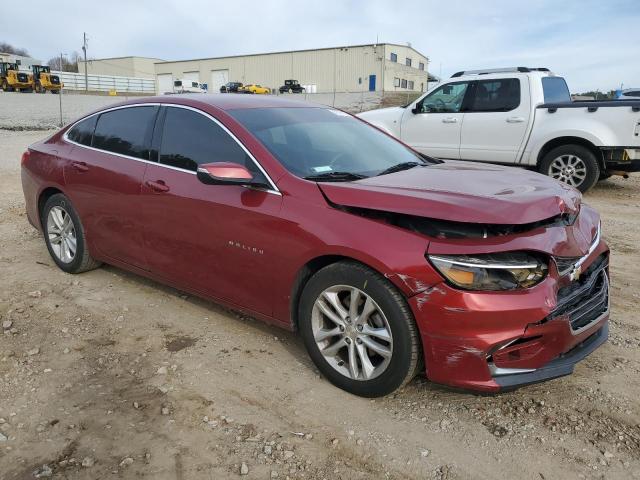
(576, 271)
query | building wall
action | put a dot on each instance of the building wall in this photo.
(140, 67)
(398, 70)
(345, 69)
(25, 62)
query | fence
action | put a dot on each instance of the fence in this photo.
(105, 83)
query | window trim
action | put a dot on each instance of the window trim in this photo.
(274, 190)
(408, 62)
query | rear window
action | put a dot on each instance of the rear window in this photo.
(83, 131)
(125, 131)
(555, 90)
(500, 95)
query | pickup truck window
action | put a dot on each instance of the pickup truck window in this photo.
(500, 95)
(445, 99)
(555, 90)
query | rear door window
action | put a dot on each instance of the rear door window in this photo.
(499, 95)
(555, 90)
(82, 132)
(125, 131)
(190, 139)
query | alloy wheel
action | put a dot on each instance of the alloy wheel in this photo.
(569, 169)
(62, 234)
(352, 332)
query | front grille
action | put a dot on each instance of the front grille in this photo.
(586, 299)
(22, 77)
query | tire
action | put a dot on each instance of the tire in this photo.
(604, 176)
(566, 162)
(390, 315)
(291, 90)
(81, 260)
(5, 86)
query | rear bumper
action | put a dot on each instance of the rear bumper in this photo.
(493, 341)
(622, 159)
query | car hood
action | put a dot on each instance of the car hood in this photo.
(461, 192)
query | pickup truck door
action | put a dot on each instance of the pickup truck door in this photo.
(497, 119)
(434, 124)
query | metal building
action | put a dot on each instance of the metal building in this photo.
(383, 67)
(139, 67)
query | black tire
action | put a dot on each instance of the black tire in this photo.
(406, 357)
(82, 260)
(604, 176)
(5, 86)
(585, 155)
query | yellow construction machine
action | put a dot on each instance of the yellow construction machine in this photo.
(12, 79)
(44, 81)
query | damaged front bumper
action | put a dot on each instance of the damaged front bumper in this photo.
(493, 341)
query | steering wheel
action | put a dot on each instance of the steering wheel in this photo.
(439, 104)
(336, 159)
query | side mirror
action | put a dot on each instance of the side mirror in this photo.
(224, 173)
(417, 109)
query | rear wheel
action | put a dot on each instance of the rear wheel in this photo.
(574, 165)
(359, 330)
(5, 86)
(64, 236)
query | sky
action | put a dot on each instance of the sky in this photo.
(593, 44)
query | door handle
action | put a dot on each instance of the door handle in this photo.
(157, 186)
(80, 166)
(515, 120)
(450, 120)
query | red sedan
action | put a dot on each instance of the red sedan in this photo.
(387, 262)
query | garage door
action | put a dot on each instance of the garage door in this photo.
(165, 83)
(218, 78)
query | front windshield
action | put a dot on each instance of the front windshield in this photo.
(314, 142)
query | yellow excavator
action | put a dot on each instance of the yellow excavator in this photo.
(12, 79)
(44, 80)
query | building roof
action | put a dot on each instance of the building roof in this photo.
(121, 58)
(294, 51)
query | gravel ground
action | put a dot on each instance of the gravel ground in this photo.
(29, 111)
(107, 374)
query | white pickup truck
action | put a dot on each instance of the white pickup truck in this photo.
(520, 116)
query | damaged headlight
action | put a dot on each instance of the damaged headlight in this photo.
(496, 271)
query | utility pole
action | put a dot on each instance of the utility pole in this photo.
(60, 93)
(84, 50)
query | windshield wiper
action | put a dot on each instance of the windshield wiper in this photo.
(335, 177)
(401, 166)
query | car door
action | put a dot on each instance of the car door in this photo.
(208, 238)
(103, 176)
(496, 120)
(433, 126)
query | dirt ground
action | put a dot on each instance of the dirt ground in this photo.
(109, 375)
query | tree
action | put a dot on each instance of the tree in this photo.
(8, 48)
(69, 64)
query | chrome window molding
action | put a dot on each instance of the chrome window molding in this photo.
(274, 190)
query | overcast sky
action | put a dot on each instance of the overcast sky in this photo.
(594, 44)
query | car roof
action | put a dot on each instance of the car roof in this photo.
(225, 101)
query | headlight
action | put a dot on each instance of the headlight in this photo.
(496, 271)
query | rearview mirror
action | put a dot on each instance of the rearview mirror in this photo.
(224, 173)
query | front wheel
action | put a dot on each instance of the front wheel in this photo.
(359, 330)
(574, 165)
(64, 236)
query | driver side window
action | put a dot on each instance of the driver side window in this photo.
(445, 99)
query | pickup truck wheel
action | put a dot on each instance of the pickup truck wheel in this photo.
(574, 165)
(359, 330)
